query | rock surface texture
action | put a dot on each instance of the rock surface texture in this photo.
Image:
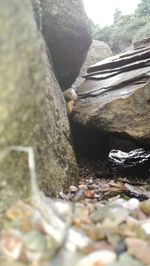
(37, 7)
(115, 97)
(98, 51)
(67, 34)
(32, 109)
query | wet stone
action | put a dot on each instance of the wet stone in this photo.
(133, 163)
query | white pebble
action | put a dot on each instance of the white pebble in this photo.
(98, 258)
(146, 227)
(132, 204)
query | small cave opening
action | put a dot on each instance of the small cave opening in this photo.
(93, 143)
(92, 147)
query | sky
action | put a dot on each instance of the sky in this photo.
(101, 11)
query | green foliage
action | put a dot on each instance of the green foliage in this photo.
(103, 34)
(143, 9)
(119, 36)
(143, 32)
(117, 16)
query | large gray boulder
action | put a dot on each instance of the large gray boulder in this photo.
(97, 51)
(115, 99)
(32, 109)
(37, 7)
(67, 34)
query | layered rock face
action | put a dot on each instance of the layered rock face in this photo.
(67, 34)
(32, 109)
(115, 98)
(97, 51)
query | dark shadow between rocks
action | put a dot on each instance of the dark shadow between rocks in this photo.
(126, 143)
(89, 142)
(92, 143)
(93, 146)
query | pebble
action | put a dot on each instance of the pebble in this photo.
(131, 204)
(83, 187)
(145, 207)
(73, 189)
(35, 241)
(90, 194)
(146, 228)
(11, 243)
(98, 258)
(140, 249)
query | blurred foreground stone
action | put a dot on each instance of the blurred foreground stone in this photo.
(32, 109)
